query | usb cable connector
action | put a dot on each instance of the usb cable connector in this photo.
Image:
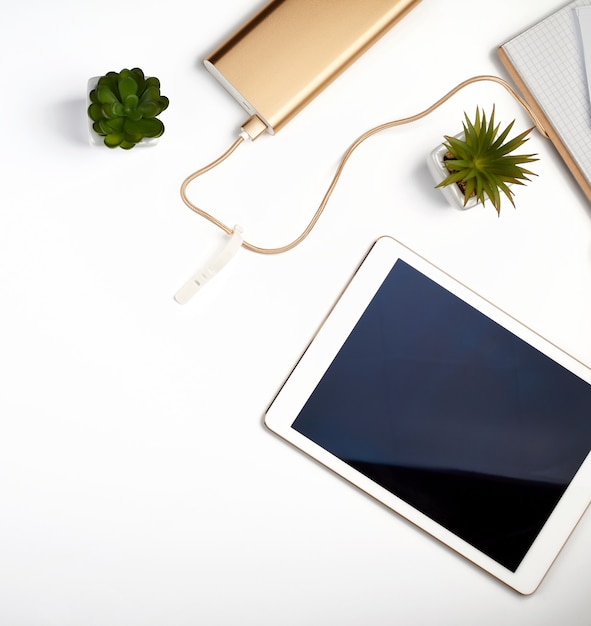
(253, 128)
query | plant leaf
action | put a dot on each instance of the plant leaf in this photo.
(95, 111)
(112, 140)
(130, 102)
(105, 94)
(148, 109)
(127, 88)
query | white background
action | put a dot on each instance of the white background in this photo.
(138, 485)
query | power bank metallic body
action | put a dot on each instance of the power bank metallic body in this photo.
(289, 51)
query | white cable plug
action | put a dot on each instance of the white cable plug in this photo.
(200, 278)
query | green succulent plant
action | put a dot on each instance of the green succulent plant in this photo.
(124, 107)
(482, 164)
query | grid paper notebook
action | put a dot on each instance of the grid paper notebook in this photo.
(547, 64)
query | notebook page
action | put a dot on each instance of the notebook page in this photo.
(549, 60)
(584, 16)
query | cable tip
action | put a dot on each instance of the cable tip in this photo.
(253, 128)
(198, 280)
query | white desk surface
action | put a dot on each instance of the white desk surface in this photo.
(137, 482)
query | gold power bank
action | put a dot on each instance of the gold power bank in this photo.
(289, 51)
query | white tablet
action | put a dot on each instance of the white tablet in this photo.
(448, 411)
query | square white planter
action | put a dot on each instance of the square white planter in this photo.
(98, 140)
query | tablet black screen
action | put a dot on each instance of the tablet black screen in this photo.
(453, 414)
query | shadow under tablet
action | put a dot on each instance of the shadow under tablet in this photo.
(454, 414)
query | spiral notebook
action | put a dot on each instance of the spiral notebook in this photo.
(547, 64)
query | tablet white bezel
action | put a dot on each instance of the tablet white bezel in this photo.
(323, 348)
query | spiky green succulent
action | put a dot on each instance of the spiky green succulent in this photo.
(124, 107)
(482, 163)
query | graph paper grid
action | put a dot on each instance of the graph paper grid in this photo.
(549, 59)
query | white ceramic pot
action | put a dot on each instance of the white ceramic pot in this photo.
(98, 140)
